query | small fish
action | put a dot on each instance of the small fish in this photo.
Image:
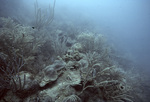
(33, 27)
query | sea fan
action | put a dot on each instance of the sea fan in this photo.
(72, 98)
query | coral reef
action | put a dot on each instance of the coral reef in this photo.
(38, 65)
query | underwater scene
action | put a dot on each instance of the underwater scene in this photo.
(74, 51)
